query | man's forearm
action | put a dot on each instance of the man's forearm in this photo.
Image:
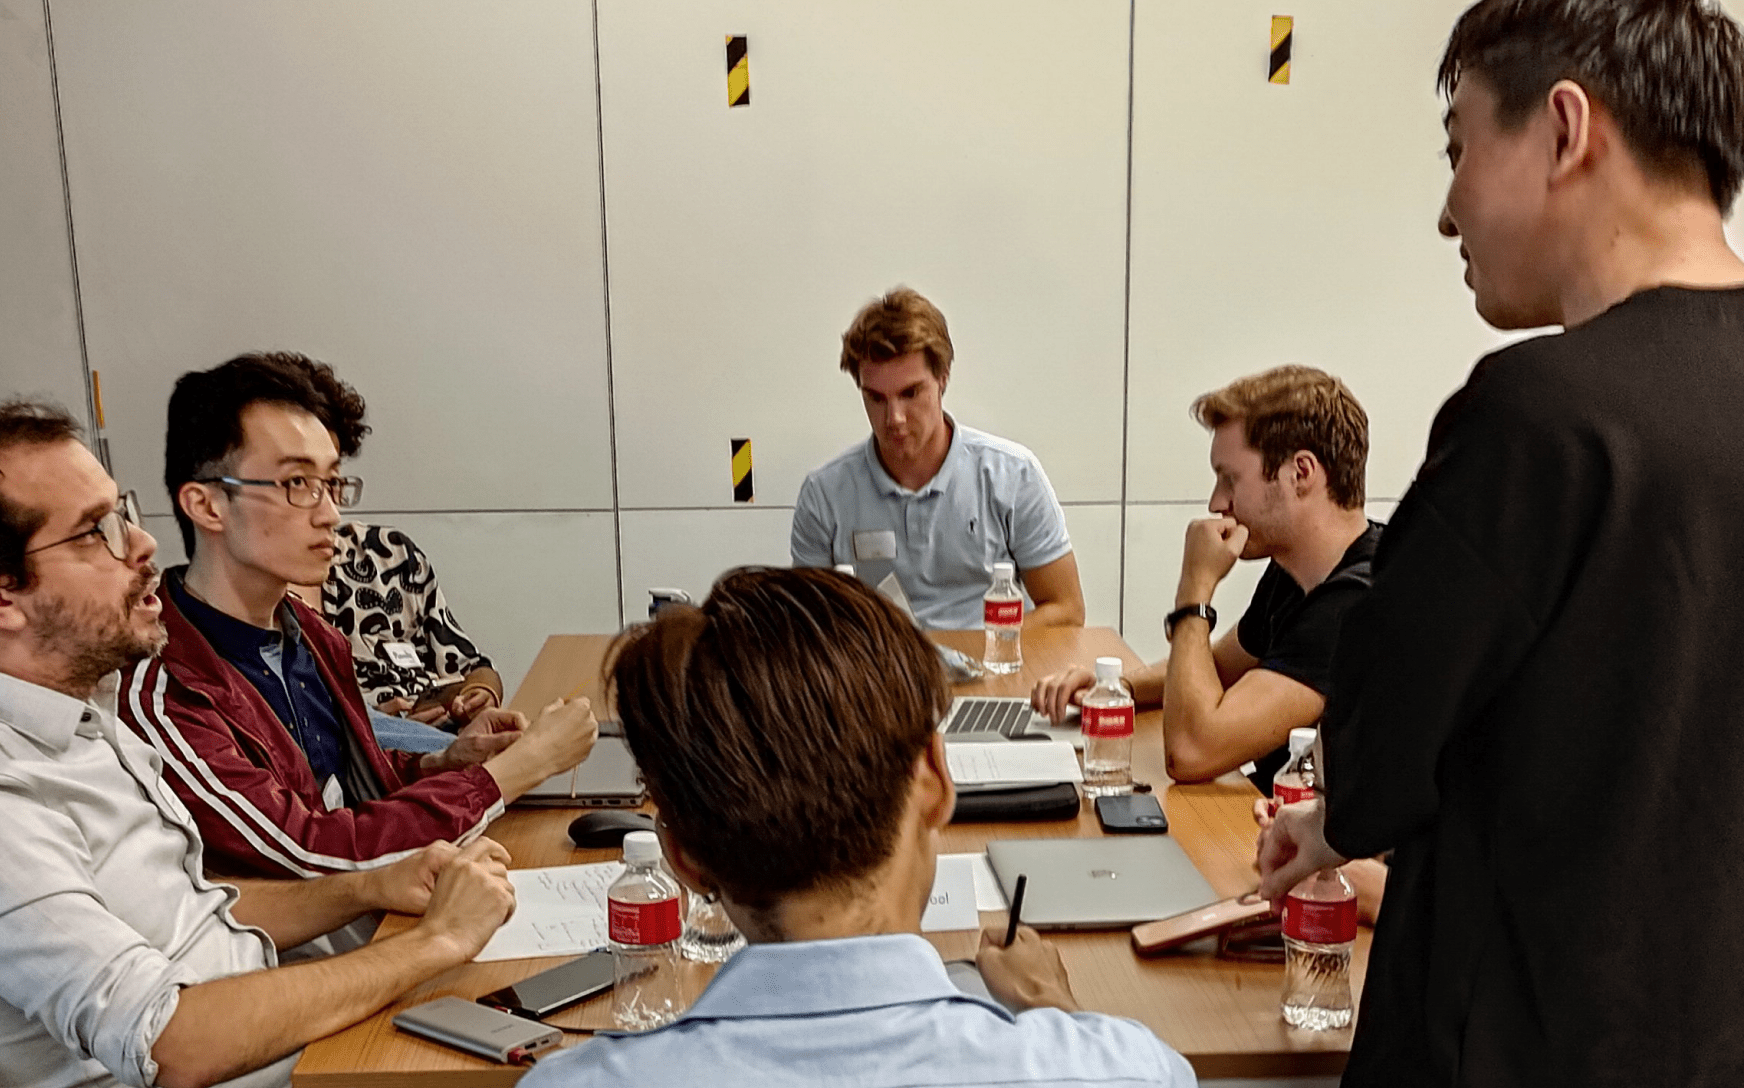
(227, 1027)
(487, 678)
(293, 911)
(1191, 695)
(1060, 613)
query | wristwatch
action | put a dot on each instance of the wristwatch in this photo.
(1203, 611)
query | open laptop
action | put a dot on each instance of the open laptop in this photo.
(1105, 883)
(992, 717)
(608, 778)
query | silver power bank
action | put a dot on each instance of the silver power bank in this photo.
(468, 1026)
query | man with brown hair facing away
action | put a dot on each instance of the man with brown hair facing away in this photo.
(926, 500)
(1290, 450)
(787, 731)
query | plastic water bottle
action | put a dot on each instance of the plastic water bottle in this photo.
(1002, 614)
(644, 922)
(1105, 718)
(709, 933)
(1295, 780)
(1319, 929)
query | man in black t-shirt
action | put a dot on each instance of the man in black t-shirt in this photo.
(1290, 450)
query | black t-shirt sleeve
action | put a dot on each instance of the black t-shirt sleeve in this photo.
(1303, 650)
(1254, 632)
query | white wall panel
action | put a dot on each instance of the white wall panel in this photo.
(975, 150)
(1291, 224)
(513, 579)
(39, 332)
(405, 188)
(1095, 534)
(689, 549)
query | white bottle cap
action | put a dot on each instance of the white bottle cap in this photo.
(1302, 739)
(845, 568)
(1107, 669)
(1004, 570)
(641, 847)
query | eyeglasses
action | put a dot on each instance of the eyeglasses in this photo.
(305, 492)
(113, 527)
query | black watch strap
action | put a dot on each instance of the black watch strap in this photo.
(1203, 611)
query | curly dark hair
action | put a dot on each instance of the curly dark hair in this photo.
(26, 423)
(1670, 71)
(205, 414)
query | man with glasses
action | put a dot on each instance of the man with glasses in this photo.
(254, 705)
(120, 962)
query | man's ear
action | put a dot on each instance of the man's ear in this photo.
(935, 792)
(683, 866)
(1571, 115)
(1307, 467)
(196, 502)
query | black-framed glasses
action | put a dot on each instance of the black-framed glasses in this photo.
(305, 492)
(113, 527)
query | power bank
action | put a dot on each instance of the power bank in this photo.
(468, 1026)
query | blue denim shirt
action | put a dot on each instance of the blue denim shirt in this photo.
(873, 1012)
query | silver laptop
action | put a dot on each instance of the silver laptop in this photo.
(608, 778)
(1105, 883)
(991, 717)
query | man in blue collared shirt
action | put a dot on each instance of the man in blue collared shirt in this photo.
(926, 500)
(786, 728)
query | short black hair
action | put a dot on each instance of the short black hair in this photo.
(205, 414)
(26, 423)
(778, 724)
(1670, 71)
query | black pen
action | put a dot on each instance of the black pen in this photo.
(1016, 908)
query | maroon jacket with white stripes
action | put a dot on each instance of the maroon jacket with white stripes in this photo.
(249, 785)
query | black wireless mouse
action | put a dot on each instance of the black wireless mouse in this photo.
(606, 830)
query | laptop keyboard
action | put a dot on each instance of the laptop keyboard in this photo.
(1008, 717)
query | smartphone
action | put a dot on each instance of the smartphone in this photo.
(1154, 937)
(548, 991)
(471, 1027)
(1131, 813)
(440, 695)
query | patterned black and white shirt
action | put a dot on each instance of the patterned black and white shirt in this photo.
(381, 593)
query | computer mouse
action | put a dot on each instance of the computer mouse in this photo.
(606, 830)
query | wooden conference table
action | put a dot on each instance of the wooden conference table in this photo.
(1222, 1015)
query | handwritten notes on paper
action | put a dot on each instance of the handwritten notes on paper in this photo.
(560, 911)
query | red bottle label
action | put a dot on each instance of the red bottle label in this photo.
(1106, 721)
(1002, 613)
(644, 923)
(1320, 922)
(1289, 795)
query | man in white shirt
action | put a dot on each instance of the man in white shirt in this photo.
(121, 962)
(786, 729)
(926, 499)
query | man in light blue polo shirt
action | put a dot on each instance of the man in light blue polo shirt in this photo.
(925, 498)
(785, 728)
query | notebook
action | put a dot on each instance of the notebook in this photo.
(608, 778)
(1105, 883)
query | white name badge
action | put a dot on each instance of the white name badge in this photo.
(403, 654)
(333, 794)
(875, 544)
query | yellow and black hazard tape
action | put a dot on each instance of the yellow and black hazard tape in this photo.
(742, 490)
(738, 72)
(1283, 31)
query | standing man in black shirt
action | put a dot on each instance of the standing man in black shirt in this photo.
(1537, 705)
(1290, 451)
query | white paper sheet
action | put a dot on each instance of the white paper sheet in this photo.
(560, 911)
(1017, 762)
(953, 902)
(988, 895)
